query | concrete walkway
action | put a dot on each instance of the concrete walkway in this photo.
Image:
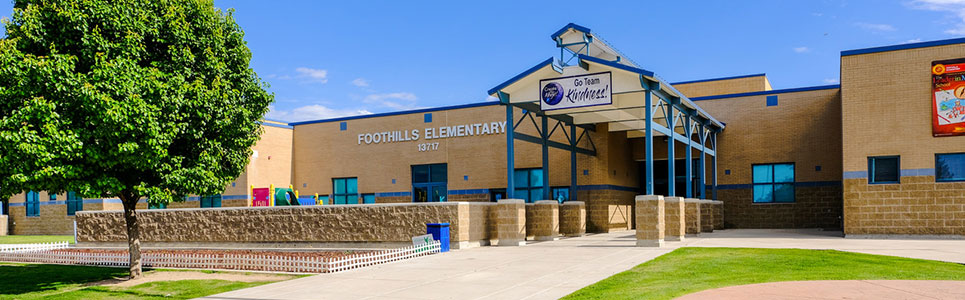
(838, 289)
(549, 270)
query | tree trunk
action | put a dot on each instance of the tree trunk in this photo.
(133, 233)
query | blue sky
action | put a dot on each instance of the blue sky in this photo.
(329, 59)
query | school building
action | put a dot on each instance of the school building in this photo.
(882, 153)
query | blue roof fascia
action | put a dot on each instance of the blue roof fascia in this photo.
(563, 30)
(771, 92)
(548, 61)
(903, 46)
(615, 65)
(405, 112)
(721, 78)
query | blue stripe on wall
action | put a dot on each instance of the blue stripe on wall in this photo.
(396, 194)
(468, 192)
(796, 184)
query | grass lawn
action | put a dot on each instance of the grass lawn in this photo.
(688, 270)
(36, 281)
(30, 239)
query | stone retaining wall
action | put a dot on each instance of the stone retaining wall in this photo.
(353, 224)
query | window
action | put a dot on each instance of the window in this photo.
(346, 191)
(322, 200)
(74, 203)
(154, 205)
(950, 167)
(368, 198)
(211, 201)
(497, 194)
(33, 204)
(429, 183)
(883, 169)
(53, 197)
(529, 184)
(773, 183)
(561, 194)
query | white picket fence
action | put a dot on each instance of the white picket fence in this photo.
(226, 262)
(13, 248)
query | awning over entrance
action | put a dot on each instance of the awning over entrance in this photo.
(635, 101)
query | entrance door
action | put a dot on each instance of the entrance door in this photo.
(429, 183)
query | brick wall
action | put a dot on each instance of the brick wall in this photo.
(726, 86)
(918, 206)
(478, 197)
(814, 207)
(887, 109)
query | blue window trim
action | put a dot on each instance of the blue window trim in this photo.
(871, 169)
(428, 185)
(774, 183)
(342, 126)
(346, 194)
(74, 203)
(427, 118)
(530, 186)
(936, 168)
(32, 200)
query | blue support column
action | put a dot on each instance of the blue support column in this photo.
(544, 135)
(703, 171)
(713, 173)
(688, 161)
(510, 163)
(671, 158)
(573, 163)
(648, 141)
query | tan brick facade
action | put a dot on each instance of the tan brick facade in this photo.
(898, 124)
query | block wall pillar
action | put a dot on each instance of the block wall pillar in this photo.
(692, 216)
(511, 222)
(650, 220)
(546, 220)
(676, 227)
(573, 218)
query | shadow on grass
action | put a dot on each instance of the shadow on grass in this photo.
(26, 278)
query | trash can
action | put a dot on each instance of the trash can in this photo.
(439, 232)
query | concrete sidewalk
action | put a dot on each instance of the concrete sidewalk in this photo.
(546, 270)
(549, 270)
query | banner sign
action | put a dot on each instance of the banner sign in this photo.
(420, 240)
(576, 91)
(948, 97)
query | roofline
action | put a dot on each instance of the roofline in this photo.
(615, 65)
(721, 78)
(791, 90)
(275, 120)
(395, 113)
(563, 30)
(286, 125)
(548, 61)
(903, 46)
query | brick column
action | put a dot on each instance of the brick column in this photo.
(650, 221)
(718, 214)
(692, 207)
(674, 212)
(511, 222)
(706, 216)
(573, 218)
(546, 220)
(3, 225)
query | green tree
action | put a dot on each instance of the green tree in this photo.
(126, 99)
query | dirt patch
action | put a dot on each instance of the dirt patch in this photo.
(152, 276)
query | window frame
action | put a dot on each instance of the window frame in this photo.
(429, 184)
(937, 179)
(530, 185)
(35, 208)
(74, 204)
(871, 169)
(346, 194)
(773, 183)
(211, 200)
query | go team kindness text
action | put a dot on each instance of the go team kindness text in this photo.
(433, 133)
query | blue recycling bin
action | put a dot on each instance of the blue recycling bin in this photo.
(439, 232)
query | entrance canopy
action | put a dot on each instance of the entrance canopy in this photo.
(635, 101)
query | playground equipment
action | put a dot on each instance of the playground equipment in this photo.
(272, 196)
